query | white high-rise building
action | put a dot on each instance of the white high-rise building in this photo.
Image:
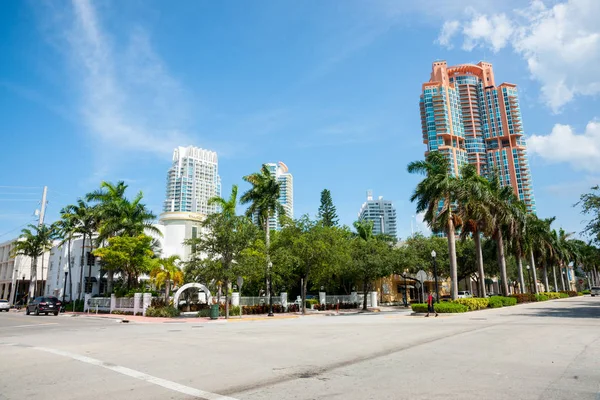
(286, 191)
(381, 212)
(192, 181)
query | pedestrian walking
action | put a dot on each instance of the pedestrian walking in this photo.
(430, 305)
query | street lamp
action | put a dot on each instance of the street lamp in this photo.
(270, 290)
(437, 292)
(530, 284)
(65, 287)
(405, 290)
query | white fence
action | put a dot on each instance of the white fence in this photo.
(135, 305)
(256, 301)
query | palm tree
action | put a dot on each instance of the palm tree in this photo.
(516, 238)
(538, 241)
(503, 210)
(33, 242)
(126, 218)
(66, 229)
(85, 218)
(436, 195)
(263, 197)
(474, 210)
(165, 272)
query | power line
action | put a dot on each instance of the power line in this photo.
(21, 187)
(18, 227)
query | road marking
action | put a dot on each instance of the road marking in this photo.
(174, 386)
(28, 326)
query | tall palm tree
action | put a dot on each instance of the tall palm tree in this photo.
(436, 195)
(33, 242)
(166, 272)
(66, 229)
(538, 242)
(126, 218)
(516, 235)
(263, 198)
(474, 210)
(85, 219)
(502, 209)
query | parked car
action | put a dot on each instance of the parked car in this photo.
(43, 305)
(464, 294)
(4, 305)
(595, 291)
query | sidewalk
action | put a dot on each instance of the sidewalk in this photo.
(182, 320)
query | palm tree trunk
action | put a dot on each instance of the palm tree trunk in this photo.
(520, 270)
(267, 246)
(555, 281)
(70, 271)
(502, 260)
(534, 273)
(81, 269)
(479, 256)
(32, 278)
(562, 278)
(167, 287)
(546, 285)
(90, 267)
(452, 253)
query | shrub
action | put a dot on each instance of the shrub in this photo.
(474, 303)
(564, 295)
(494, 302)
(76, 305)
(419, 307)
(448, 307)
(508, 301)
(162, 312)
(523, 297)
(585, 292)
(552, 295)
(579, 293)
(569, 293)
(310, 302)
(541, 297)
(204, 313)
(327, 307)
(120, 312)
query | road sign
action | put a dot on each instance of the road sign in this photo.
(418, 284)
(421, 276)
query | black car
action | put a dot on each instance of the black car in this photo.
(43, 305)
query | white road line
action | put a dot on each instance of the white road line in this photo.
(133, 374)
(28, 326)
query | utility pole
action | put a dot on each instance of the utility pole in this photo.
(43, 208)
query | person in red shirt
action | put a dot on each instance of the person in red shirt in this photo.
(430, 305)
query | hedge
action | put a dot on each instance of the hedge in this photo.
(474, 303)
(508, 301)
(579, 293)
(570, 293)
(585, 292)
(163, 312)
(551, 295)
(541, 297)
(448, 307)
(419, 307)
(495, 302)
(524, 297)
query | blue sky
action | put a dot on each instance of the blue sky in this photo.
(104, 90)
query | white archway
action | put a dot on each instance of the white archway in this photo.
(191, 285)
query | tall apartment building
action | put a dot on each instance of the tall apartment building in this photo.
(192, 180)
(381, 212)
(286, 192)
(469, 119)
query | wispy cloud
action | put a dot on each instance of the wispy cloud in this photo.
(129, 100)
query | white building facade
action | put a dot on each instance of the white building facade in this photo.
(15, 273)
(192, 180)
(382, 213)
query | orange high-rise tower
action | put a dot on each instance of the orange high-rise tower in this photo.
(469, 119)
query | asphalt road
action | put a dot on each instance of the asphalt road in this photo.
(548, 350)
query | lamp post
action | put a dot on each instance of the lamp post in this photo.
(405, 291)
(65, 288)
(530, 284)
(437, 292)
(270, 290)
(564, 278)
(23, 289)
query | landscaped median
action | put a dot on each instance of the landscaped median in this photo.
(476, 303)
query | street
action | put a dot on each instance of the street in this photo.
(547, 350)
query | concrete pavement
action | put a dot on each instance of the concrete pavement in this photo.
(548, 350)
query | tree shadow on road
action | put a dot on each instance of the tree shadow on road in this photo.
(578, 309)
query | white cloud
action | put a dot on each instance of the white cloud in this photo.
(563, 144)
(560, 44)
(128, 99)
(449, 29)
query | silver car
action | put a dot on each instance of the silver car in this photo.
(595, 291)
(4, 305)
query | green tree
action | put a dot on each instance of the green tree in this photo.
(436, 195)
(263, 198)
(130, 255)
(223, 239)
(33, 242)
(66, 229)
(590, 206)
(166, 272)
(327, 212)
(372, 257)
